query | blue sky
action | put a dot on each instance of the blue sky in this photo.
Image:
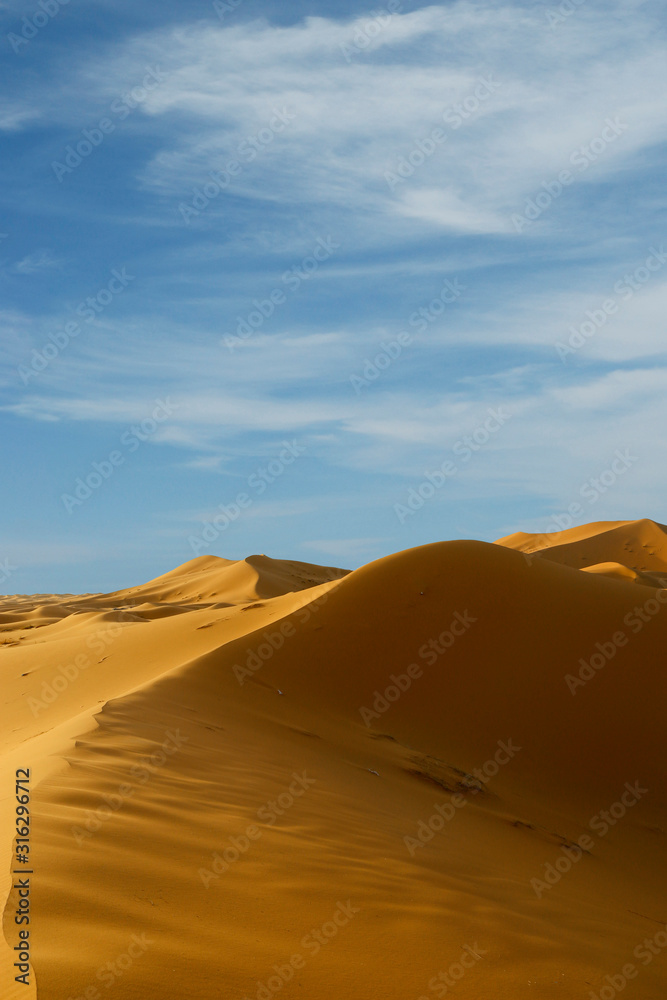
(212, 226)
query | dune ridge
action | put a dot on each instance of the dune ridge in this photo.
(401, 741)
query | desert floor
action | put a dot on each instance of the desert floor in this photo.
(442, 774)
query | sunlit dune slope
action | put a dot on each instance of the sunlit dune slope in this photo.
(618, 572)
(640, 546)
(415, 742)
(209, 578)
(64, 657)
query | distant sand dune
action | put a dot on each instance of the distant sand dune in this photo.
(640, 546)
(254, 745)
(209, 578)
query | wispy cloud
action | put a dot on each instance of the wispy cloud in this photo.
(352, 123)
(40, 260)
(13, 119)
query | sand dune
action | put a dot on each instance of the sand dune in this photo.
(639, 546)
(209, 579)
(273, 779)
(618, 572)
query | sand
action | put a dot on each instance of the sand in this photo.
(270, 779)
(631, 550)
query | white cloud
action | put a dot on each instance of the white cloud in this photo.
(214, 415)
(13, 119)
(39, 260)
(554, 90)
(615, 391)
(447, 210)
(523, 133)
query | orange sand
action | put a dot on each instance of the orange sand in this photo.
(219, 778)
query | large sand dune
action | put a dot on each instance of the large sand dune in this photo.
(441, 774)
